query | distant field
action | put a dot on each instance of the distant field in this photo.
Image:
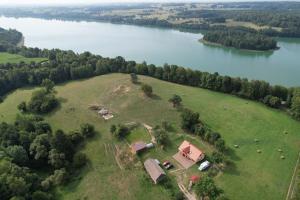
(15, 58)
(255, 176)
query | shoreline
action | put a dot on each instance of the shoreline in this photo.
(205, 42)
(21, 43)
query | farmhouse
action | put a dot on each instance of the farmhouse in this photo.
(154, 170)
(190, 152)
(138, 147)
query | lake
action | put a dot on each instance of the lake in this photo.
(159, 46)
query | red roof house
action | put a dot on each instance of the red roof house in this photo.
(191, 152)
(138, 147)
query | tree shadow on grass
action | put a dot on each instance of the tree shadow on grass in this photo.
(59, 106)
(155, 97)
(231, 168)
(232, 154)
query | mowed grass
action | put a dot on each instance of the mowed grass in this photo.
(254, 176)
(15, 58)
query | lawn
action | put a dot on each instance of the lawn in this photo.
(255, 176)
(138, 134)
(15, 58)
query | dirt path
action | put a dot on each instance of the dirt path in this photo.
(179, 175)
(149, 129)
(291, 187)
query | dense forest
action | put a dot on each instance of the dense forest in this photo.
(241, 40)
(33, 159)
(67, 65)
(9, 38)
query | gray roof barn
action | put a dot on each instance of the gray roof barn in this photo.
(154, 170)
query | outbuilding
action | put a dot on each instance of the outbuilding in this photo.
(138, 147)
(154, 170)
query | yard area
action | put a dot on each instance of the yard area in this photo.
(254, 175)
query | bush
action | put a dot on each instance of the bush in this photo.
(87, 130)
(134, 78)
(121, 131)
(147, 89)
(42, 102)
(79, 160)
(39, 195)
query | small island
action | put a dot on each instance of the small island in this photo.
(240, 40)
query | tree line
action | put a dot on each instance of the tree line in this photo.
(67, 65)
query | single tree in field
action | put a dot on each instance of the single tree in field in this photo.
(22, 106)
(207, 188)
(175, 100)
(147, 89)
(48, 85)
(134, 78)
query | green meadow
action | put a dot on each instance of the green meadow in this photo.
(253, 176)
(15, 58)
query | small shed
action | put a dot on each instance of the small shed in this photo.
(138, 146)
(154, 170)
(194, 179)
(103, 111)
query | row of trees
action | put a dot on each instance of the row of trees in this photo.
(191, 122)
(66, 65)
(29, 146)
(241, 40)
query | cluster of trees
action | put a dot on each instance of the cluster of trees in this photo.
(42, 101)
(30, 146)
(9, 39)
(205, 188)
(191, 122)
(67, 65)
(241, 40)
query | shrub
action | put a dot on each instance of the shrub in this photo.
(134, 78)
(147, 89)
(79, 160)
(87, 130)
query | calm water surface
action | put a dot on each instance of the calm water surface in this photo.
(159, 46)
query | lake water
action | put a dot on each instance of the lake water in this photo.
(159, 46)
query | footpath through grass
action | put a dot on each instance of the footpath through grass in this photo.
(254, 176)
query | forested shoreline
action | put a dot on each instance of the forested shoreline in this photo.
(241, 40)
(63, 66)
(280, 21)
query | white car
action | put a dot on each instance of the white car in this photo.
(204, 165)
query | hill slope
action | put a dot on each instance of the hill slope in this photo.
(255, 176)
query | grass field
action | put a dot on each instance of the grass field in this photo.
(15, 58)
(255, 176)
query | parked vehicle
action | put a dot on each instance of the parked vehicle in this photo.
(168, 165)
(204, 165)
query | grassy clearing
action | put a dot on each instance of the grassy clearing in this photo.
(138, 134)
(255, 176)
(15, 58)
